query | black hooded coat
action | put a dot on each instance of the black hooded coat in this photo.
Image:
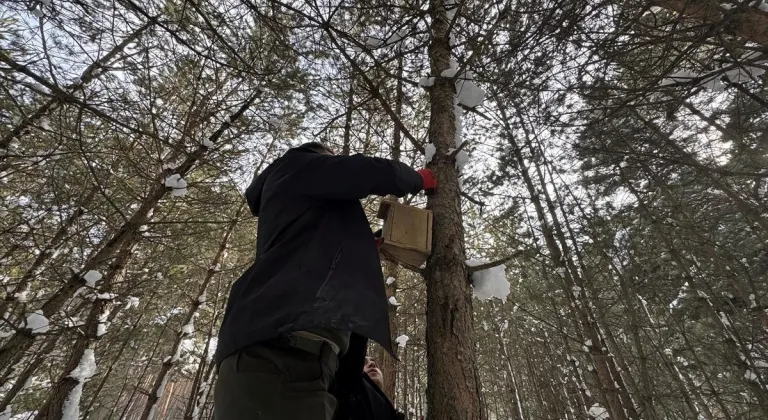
(316, 264)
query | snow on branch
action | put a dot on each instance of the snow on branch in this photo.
(471, 269)
(489, 283)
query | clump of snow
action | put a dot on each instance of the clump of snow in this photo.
(576, 291)
(37, 322)
(91, 278)
(429, 152)
(86, 368)
(752, 301)
(468, 93)
(680, 295)
(178, 184)
(402, 340)
(489, 283)
(393, 301)
(727, 6)
(390, 280)
(461, 160)
(132, 302)
(23, 295)
(73, 321)
(457, 113)
(6, 414)
(106, 296)
(101, 328)
(426, 82)
(763, 6)
(208, 143)
(189, 328)
(202, 298)
(450, 8)
(598, 412)
(82, 374)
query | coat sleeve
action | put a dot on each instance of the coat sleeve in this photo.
(354, 177)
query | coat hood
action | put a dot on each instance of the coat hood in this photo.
(255, 191)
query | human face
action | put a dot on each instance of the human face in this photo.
(373, 372)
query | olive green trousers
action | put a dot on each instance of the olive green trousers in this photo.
(268, 382)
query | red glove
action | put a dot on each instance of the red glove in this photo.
(429, 181)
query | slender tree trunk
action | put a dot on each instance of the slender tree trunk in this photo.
(165, 370)
(52, 408)
(453, 388)
(384, 360)
(28, 371)
(128, 337)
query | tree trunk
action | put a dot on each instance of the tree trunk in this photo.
(52, 408)
(453, 388)
(384, 360)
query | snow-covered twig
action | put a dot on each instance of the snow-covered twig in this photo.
(476, 268)
(456, 151)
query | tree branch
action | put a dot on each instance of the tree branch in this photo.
(486, 266)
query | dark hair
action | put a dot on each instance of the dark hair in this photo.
(317, 147)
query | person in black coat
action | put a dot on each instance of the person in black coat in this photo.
(315, 290)
(360, 395)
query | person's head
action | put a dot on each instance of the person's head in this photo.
(317, 147)
(373, 372)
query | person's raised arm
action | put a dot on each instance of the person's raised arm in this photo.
(356, 177)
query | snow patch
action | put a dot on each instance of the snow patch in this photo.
(489, 283)
(37, 322)
(133, 302)
(393, 301)
(208, 143)
(178, 184)
(82, 374)
(402, 340)
(457, 113)
(429, 152)
(576, 291)
(468, 93)
(101, 328)
(390, 280)
(461, 160)
(189, 328)
(426, 82)
(91, 278)
(751, 376)
(598, 412)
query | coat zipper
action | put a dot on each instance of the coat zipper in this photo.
(330, 273)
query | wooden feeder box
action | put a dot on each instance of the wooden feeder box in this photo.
(407, 233)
